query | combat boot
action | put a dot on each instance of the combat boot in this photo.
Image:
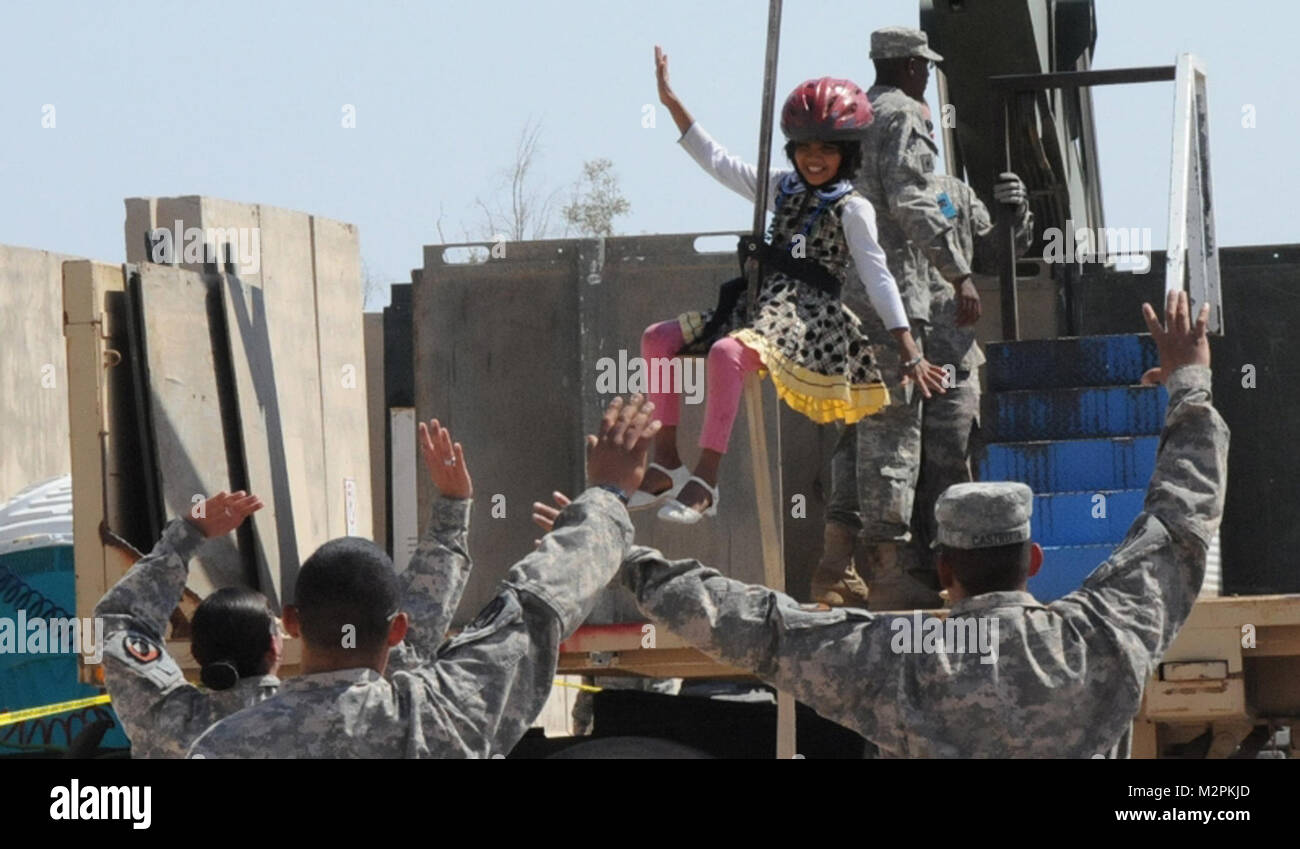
(835, 582)
(891, 585)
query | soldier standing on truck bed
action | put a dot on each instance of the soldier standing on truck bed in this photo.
(1058, 680)
(877, 461)
(949, 420)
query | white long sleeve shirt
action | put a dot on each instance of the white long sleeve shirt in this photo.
(859, 220)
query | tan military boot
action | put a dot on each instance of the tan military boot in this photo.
(835, 582)
(885, 565)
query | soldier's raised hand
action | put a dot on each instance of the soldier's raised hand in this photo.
(1179, 342)
(445, 461)
(618, 456)
(223, 512)
(544, 515)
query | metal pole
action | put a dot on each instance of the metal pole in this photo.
(767, 482)
(1006, 233)
(765, 140)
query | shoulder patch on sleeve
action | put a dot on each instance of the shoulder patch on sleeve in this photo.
(946, 206)
(140, 647)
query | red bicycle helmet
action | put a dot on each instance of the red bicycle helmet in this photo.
(826, 109)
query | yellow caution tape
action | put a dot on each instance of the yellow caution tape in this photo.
(586, 688)
(49, 710)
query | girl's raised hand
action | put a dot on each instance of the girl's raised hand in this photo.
(661, 76)
(667, 96)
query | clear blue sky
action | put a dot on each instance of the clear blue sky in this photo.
(243, 100)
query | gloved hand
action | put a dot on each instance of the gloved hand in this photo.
(1010, 190)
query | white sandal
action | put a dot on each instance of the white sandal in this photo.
(676, 511)
(641, 500)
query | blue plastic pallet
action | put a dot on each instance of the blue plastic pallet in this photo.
(1064, 568)
(1074, 465)
(1055, 414)
(1070, 363)
(1068, 518)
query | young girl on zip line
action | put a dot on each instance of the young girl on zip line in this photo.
(798, 332)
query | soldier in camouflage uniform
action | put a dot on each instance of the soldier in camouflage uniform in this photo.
(949, 420)
(161, 712)
(478, 693)
(880, 457)
(1067, 678)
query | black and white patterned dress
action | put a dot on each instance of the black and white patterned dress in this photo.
(810, 343)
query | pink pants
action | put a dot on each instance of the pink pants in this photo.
(729, 362)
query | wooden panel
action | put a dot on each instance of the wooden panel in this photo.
(303, 432)
(83, 285)
(141, 215)
(657, 663)
(177, 341)
(298, 437)
(273, 535)
(220, 221)
(1184, 701)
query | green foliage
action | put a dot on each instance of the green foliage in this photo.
(597, 200)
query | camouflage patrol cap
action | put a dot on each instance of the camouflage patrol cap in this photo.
(983, 515)
(900, 43)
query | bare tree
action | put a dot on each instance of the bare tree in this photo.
(527, 212)
(596, 200)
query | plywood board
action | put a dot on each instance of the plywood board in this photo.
(290, 319)
(185, 415)
(85, 284)
(218, 222)
(303, 428)
(261, 431)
